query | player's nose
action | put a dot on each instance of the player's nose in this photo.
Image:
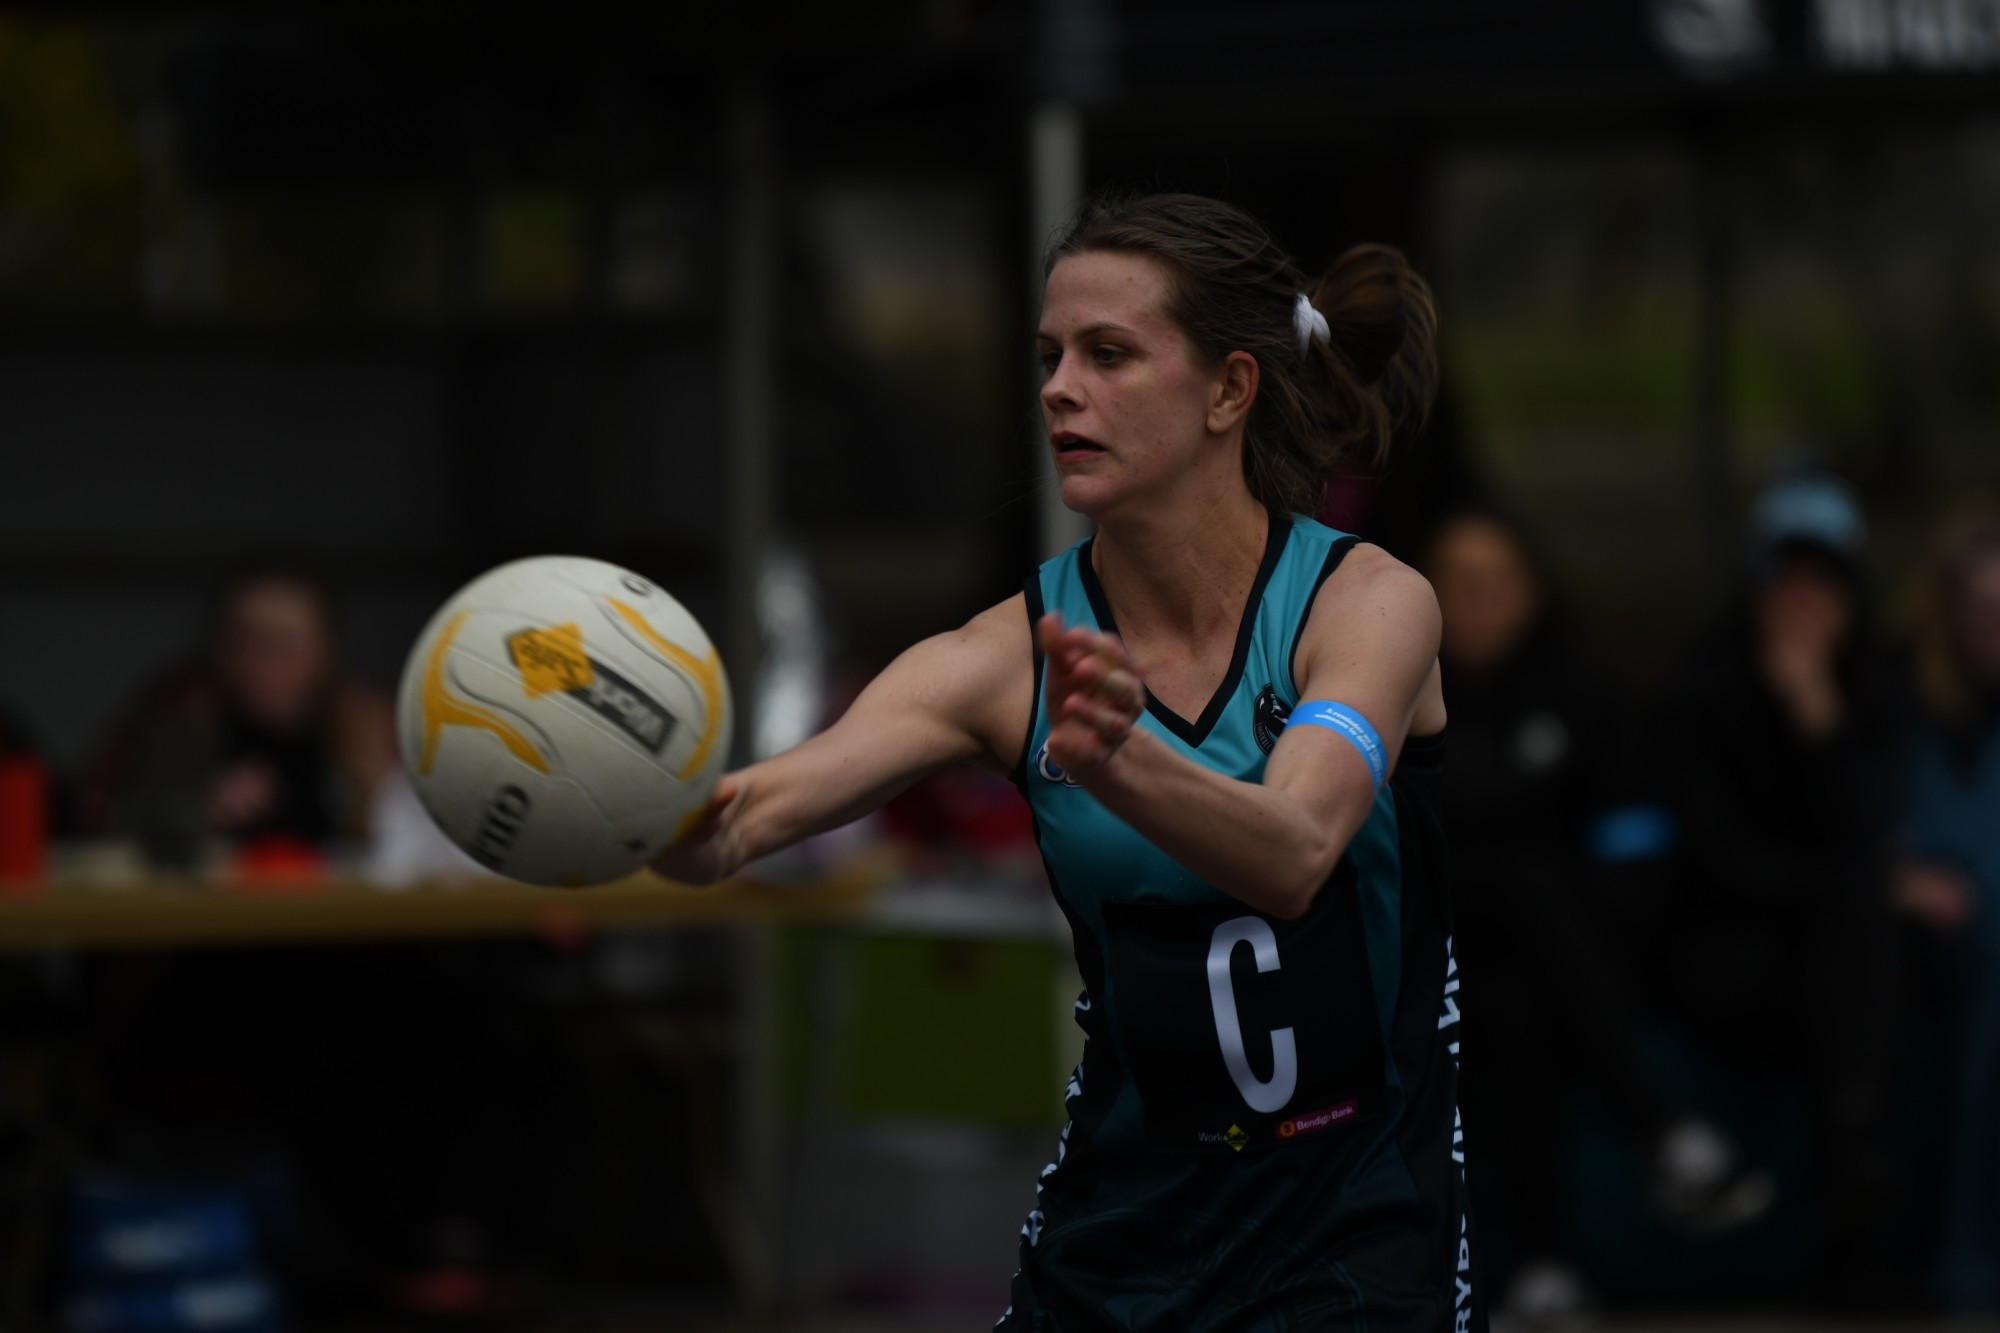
(1061, 390)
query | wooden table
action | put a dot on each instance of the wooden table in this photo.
(169, 912)
(161, 912)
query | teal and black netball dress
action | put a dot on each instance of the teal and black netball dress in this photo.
(1262, 1133)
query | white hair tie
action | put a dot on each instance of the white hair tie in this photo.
(1309, 323)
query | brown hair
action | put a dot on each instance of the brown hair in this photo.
(1233, 289)
(1968, 535)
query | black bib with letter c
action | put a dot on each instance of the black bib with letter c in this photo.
(1245, 1032)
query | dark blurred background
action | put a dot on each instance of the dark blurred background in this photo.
(307, 318)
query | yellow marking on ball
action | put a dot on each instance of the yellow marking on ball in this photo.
(707, 674)
(443, 709)
(552, 660)
(689, 822)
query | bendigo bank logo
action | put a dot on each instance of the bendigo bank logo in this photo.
(552, 661)
(1318, 1120)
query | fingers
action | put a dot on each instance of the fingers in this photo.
(1118, 686)
(1088, 727)
(1079, 748)
(702, 828)
(1095, 693)
(1108, 720)
(1087, 655)
(1090, 645)
(1077, 642)
(1074, 644)
(1048, 634)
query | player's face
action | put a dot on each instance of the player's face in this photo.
(1125, 396)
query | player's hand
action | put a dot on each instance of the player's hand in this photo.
(1094, 693)
(707, 851)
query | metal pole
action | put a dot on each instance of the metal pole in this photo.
(1715, 317)
(750, 379)
(1055, 166)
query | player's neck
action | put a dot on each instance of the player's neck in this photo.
(1182, 569)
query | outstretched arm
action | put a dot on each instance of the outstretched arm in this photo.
(955, 698)
(1272, 844)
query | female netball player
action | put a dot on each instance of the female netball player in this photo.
(1227, 721)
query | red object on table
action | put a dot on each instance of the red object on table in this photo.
(24, 825)
(277, 863)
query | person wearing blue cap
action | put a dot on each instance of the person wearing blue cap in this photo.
(1781, 743)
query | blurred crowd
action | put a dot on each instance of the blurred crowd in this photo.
(259, 754)
(228, 1137)
(263, 740)
(1744, 927)
(1767, 895)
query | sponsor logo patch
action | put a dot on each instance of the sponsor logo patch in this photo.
(1233, 1136)
(1049, 769)
(1268, 718)
(552, 661)
(626, 707)
(1314, 1121)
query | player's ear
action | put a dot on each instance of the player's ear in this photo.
(1235, 389)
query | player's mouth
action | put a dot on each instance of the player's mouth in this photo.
(1071, 447)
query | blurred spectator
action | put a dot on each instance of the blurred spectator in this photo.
(1536, 768)
(263, 737)
(1949, 877)
(1780, 751)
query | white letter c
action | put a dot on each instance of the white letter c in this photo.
(1268, 1095)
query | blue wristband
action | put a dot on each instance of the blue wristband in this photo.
(1349, 723)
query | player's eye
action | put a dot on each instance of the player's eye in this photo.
(1107, 356)
(1048, 361)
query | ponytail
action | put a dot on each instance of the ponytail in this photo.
(1381, 357)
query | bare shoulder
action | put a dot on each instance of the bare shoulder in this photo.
(1371, 604)
(993, 644)
(980, 676)
(1007, 646)
(1003, 625)
(1371, 583)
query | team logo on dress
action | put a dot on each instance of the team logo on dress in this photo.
(1049, 769)
(1236, 1138)
(1268, 718)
